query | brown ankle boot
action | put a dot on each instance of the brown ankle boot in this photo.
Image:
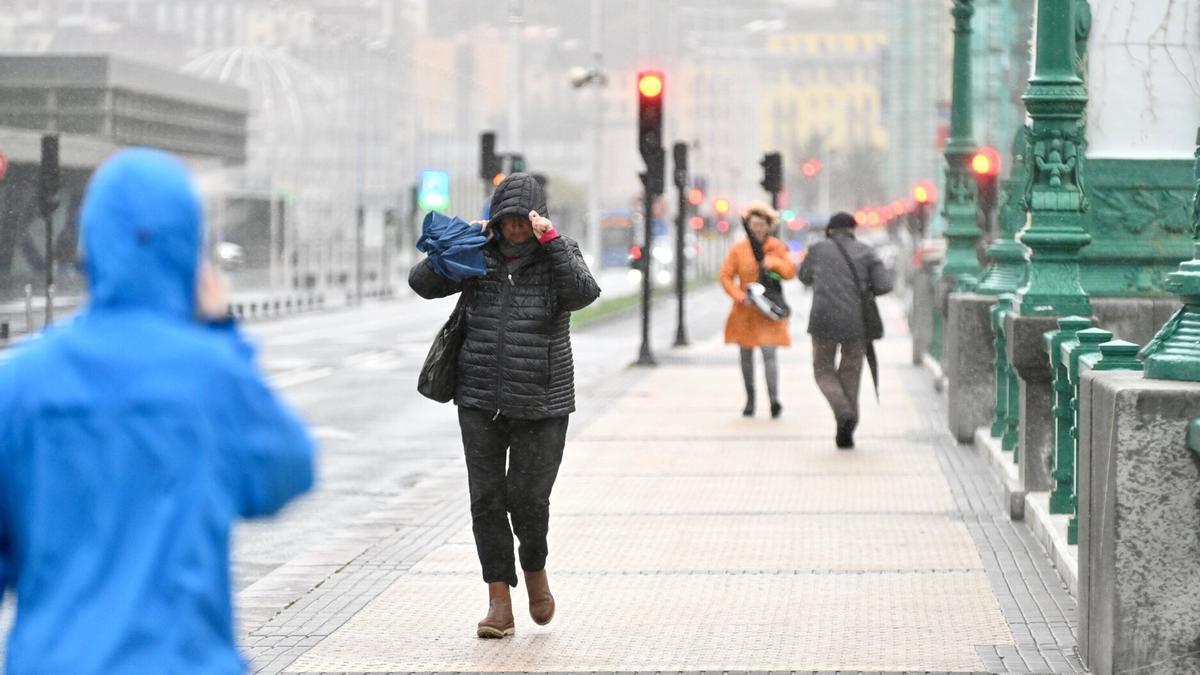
(541, 602)
(499, 620)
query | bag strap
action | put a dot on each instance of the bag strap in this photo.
(850, 263)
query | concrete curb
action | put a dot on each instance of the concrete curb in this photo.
(1051, 531)
(1006, 472)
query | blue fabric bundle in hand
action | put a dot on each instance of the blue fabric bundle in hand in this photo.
(454, 247)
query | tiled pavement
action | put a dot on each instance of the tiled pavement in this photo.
(685, 538)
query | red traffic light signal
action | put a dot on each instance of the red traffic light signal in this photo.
(811, 168)
(986, 162)
(650, 83)
(925, 192)
(696, 222)
(695, 196)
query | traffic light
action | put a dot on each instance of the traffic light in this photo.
(680, 151)
(721, 206)
(985, 164)
(695, 196)
(638, 260)
(650, 122)
(925, 193)
(49, 177)
(517, 162)
(772, 164)
(489, 162)
(811, 168)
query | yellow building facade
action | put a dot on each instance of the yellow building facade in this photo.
(825, 84)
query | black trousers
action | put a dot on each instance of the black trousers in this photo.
(511, 469)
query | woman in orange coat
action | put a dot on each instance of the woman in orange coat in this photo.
(747, 327)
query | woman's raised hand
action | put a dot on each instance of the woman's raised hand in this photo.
(541, 225)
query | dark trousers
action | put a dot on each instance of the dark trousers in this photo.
(511, 468)
(839, 382)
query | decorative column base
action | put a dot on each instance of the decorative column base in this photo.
(1174, 353)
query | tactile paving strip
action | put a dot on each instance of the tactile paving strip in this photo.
(738, 457)
(753, 494)
(752, 544)
(868, 622)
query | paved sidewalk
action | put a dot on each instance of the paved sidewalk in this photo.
(686, 538)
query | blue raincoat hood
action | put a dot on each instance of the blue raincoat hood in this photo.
(141, 231)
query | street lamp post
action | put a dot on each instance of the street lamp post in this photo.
(961, 266)
(1056, 100)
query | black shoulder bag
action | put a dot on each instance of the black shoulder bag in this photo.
(772, 286)
(439, 376)
(872, 321)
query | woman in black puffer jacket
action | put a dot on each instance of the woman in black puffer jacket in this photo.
(516, 388)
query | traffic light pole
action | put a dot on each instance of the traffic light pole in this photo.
(646, 355)
(681, 181)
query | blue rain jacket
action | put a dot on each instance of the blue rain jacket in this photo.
(131, 439)
(454, 247)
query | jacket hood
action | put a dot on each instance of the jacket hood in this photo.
(517, 195)
(141, 233)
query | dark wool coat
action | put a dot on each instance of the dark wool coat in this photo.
(516, 358)
(837, 305)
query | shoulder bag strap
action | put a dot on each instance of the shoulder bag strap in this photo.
(853, 269)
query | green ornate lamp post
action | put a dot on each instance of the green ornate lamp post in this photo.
(1006, 256)
(1174, 353)
(961, 264)
(1056, 99)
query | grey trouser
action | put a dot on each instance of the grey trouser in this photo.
(839, 383)
(770, 366)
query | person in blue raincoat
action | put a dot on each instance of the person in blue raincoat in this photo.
(132, 438)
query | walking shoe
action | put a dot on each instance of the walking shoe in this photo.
(776, 409)
(541, 602)
(748, 411)
(499, 620)
(845, 434)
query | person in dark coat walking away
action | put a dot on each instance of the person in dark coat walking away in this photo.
(836, 318)
(132, 437)
(516, 388)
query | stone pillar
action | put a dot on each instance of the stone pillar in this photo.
(968, 362)
(1139, 525)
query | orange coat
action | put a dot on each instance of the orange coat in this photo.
(746, 326)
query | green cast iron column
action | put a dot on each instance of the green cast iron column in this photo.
(1056, 99)
(1006, 256)
(1174, 353)
(959, 205)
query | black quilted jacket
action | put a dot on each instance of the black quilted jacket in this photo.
(517, 355)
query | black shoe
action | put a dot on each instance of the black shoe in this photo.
(845, 434)
(776, 409)
(748, 411)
